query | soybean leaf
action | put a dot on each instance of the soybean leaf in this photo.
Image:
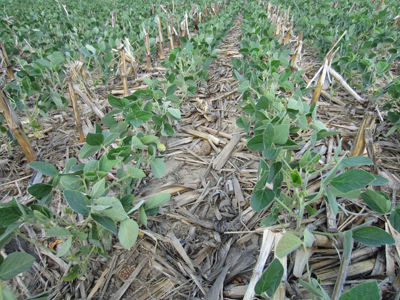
(377, 201)
(395, 219)
(356, 161)
(72, 274)
(379, 180)
(116, 212)
(77, 201)
(128, 233)
(315, 288)
(261, 199)
(287, 244)
(365, 291)
(256, 143)
(88, 150)
(372, 236)
(105, 221)
(9, 213)
(135, 173)
(244, 86)
(142, 215)
(15, 264)
(308, 238)
(44, 168)
(8, 234)
(58, 232)
(270, 279)
(98, 189)
(174, 113)
(352, 180)
(94, 139)
(9, 295)
(348, 244)
(64, 249)
(281, 134)
(157, 167)
(157, 201)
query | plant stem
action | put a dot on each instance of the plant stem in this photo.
(308, 267)
(34, 243)
(287, 208)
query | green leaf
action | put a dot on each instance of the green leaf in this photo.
(72, 274)
(77, 201)
(116, 212)
(308, 238)
(136, 173)
(65, 247)
(244, 86)
(9, 234)
(365, 291)
(174, 113)
(324, 133)
(9, 295)
(356, 161)
(58, 232)
(128, 233)
(315, 288)
(9, 213)
(348, 244)
(44, 168)
(94, 139)
(156, 201)
(372, 236)
(106, 222)
(352, 180)
(256, 143)
(15, 264)
(270, 279)
(142, 215)
(88, 150)
(377, 201)
(98, 189)
(287, 244)
(261, 199)
(40, 190)
(379, 180)
(395, 219)
(157, 167)
(281, 134)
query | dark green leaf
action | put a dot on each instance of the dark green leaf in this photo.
(77, 201)
(365, 291)
(395, 219)
(106, 222)
(9, 213)
(356, 161)
(88, 150)
(377, 201)
(72, 274)
(261, 199)
(15, 264)
(94, 139)
(40, 190)
(44, 168)
(270, 279)
(372, 236)
(58, 232)
(256, 143)
(352, 180)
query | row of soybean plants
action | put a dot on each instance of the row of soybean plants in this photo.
(278, 123)
(369, 53)
(98, 194)
(44, 37)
